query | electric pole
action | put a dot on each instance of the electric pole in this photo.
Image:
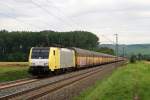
(123, 51)
(116, 48)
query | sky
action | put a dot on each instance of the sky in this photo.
(130, 19)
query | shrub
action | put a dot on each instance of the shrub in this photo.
(133, 59)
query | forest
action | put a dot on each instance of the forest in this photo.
(15, 45)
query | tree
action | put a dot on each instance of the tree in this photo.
(103, 50)
(18, 43)
(140, 57)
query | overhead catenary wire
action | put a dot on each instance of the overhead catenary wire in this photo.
(47, 24)
(117, 46)
(79, 27)
(50, 13)
(111, 41)
(15, 18)
(19, 20)
(70, 19)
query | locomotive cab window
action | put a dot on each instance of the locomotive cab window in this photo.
(40, 53)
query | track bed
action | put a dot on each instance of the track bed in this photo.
(60, 87)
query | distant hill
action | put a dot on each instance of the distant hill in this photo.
(144, 49)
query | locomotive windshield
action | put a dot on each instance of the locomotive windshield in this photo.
(40, 53)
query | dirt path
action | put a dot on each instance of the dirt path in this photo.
(11, 64)
(147, 62)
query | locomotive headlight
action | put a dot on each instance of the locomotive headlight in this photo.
(45, 64)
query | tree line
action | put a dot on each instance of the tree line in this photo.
(139, 57)
(15, 46)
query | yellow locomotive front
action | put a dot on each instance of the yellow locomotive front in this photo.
(39, 60)
(45, 60)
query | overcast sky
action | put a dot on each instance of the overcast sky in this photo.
(129, 18)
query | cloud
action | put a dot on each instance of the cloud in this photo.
(129, 18)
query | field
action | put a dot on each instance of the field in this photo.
(131, 82)
(10, 71)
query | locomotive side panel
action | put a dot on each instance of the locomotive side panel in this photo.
(54, 58)
(67, 57)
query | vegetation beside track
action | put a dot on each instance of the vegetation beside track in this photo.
(130, 82)
(8, 73)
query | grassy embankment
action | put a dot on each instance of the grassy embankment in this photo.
(10, 71)
(131, 82)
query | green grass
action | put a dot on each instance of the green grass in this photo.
(13, 73)
(123, 84)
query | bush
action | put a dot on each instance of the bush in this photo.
(133, 59)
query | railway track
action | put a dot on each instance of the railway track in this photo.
(37, 89)
(16, 83)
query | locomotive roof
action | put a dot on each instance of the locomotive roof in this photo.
(82, 52)
(41, 47)
(90, 53)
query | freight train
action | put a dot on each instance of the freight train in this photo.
(46, 60)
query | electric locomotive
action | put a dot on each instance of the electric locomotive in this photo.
(45, 60)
